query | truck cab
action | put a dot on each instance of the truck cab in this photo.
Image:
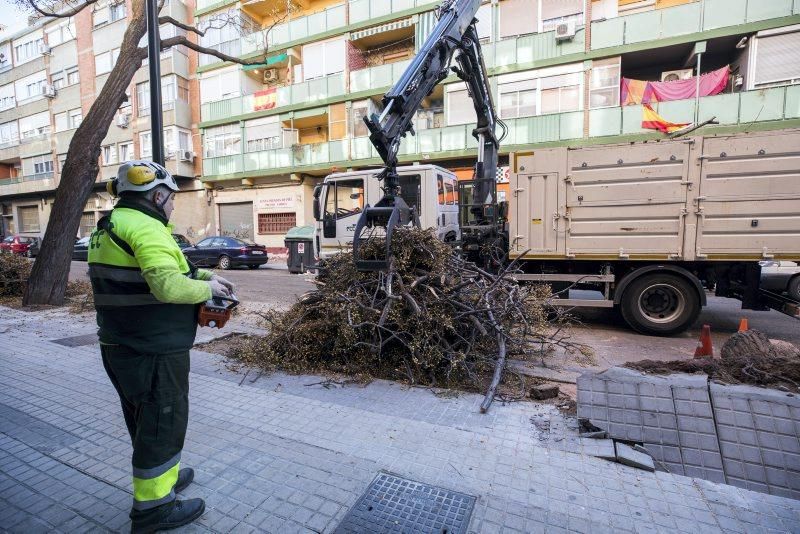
(339, 201)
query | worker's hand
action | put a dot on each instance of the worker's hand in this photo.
(226, 283)
(218, 289)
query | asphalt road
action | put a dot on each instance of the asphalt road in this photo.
(612, 341)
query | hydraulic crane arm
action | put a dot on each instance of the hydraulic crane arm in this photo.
(454, 32)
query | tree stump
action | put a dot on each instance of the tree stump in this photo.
(750, 344)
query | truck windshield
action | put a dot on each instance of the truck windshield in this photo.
(344, 198)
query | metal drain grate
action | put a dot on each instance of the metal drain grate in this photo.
(77, 341)
(394, 504)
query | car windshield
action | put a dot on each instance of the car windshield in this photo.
(9, 239)
(179, 239)
(82, 241)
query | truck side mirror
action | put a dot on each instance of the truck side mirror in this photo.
(317, 192)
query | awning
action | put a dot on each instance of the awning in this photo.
(383, 28)
(270, 61)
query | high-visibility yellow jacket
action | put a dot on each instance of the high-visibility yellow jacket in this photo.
(146, 298)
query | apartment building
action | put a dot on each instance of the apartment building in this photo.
(272, 131)
(50, 74)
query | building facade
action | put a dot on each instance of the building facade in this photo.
(249, 143)
(50, 74)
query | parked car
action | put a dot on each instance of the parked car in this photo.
(20, 244)
(780, 276)
(80, 252)
(226, 252)
(182, 241)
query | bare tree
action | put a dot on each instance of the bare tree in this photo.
(48, 279)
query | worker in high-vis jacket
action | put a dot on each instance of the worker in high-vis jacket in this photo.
(147, 296)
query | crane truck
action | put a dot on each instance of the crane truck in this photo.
(652, 225)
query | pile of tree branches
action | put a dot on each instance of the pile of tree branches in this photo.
(432, 319)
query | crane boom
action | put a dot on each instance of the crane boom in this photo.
(455, 32)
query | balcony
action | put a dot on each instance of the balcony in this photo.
(377, 77)
(27, 184)
(289, 95)
(324, 21)
(367, 10)
(529, 48)
(760, 105)
(685, 19)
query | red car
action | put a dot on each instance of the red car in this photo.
(20, 244)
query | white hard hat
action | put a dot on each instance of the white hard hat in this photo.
(140, 176)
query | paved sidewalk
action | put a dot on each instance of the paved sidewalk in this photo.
(275, 454)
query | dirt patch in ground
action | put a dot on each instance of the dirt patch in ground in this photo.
(767, 371)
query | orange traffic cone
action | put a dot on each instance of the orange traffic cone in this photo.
(704, 348)
(743, 325)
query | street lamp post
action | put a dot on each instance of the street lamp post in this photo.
(154, 60)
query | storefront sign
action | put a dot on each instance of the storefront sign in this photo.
(273, 203)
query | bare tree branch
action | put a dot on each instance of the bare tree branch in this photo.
(182, 40)
(187, 27)
(60, 15)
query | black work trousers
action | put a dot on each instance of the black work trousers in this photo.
(154, 393)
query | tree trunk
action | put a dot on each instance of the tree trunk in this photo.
(48, 280)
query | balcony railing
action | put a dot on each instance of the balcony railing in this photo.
(364, 10)
(684, 19)
(375, 77)
(777, 103)
(231, 48)
(299, 93)
(530, 48)
(27, 178)
(300, 28)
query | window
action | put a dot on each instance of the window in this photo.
(223, 31)
(555, 12)
(263, 134)
(167, 92)
(109, 155)
(441, 191)
(62, 160)
(484, 25)
(518, 17)
(28, 218)
(183, 89)
(518, 99)
(184, 141)
(560, 93)
(145, 145)
(604, 84)
(337, 121)
(61, 32)
(344, 198)
(359, 110)
(459, 105)
(143, 99)
(30, 86)
(221, 85)
(105, 62)
(43, 167)
(323, 59)
(116, 12)
(7, 96)
(776, 59)
(451, 192)
(61, 121)
(75, 117)
(72, 76)
(9, 133)
(34, 125)
(26, 51)
(223, 141)
(276, 223)
(87, 223)
(57, 80)
(125, 151)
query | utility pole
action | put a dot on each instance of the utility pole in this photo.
(154, 60)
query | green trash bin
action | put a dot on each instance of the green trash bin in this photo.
(300, 242)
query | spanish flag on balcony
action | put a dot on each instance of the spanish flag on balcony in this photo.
(266, 99)
(654, 121)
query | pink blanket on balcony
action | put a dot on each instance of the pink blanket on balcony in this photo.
(644, 92)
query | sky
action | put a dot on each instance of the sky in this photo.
(13, 17)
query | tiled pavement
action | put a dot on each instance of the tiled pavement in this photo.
(277, 455)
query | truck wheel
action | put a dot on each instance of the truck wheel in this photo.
(660, 304)
(794, 288)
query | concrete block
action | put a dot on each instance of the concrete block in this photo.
(628, 456)
(602, 448)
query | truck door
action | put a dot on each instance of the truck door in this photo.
(344, 202)
(534, 221)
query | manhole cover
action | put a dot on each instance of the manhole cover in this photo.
(77, 341)
(394, 504)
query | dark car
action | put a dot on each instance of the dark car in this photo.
(80, 252)
(182, 241)
(20, 244)
(226, 252)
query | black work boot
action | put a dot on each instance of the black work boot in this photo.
(166, 517)
(185, 477)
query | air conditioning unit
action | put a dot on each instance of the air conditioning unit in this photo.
(565, 30)
(44, 49)
(123, 119)
(270, 75)
(675, 75)
(49, 91)
(186, 155)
